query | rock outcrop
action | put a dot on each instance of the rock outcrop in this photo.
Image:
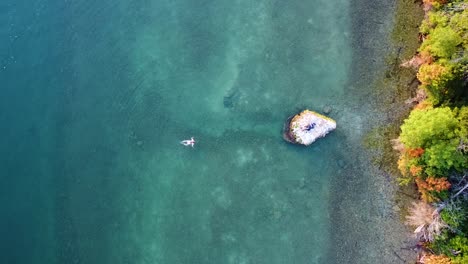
(306, 127)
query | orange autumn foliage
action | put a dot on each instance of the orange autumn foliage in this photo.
(415, 170)
(431, 184)
(408, 160)
(436, 259)
(429, 73)
(415, 153)
(426, 57)
(423, 105)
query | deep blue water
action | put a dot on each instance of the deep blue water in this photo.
(96, 95)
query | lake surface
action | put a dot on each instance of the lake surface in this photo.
(96, 95)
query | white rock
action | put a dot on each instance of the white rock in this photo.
(306, 127)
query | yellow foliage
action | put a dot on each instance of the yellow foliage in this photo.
(423, 105)
(426, 57)
(408, 162)
(416, 170)
(403, 165)
(436, 259)
(431, 73)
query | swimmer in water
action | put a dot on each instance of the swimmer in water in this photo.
(188, 142)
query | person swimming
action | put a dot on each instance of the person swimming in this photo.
(188, 142)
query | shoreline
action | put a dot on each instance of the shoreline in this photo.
(435, 164)
(382, 196)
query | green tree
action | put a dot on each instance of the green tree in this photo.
(458, 244)
(463, 121)
(459, 23)
(454, 214)
(433, 20)
(444, 81)
(442, 156)
(426, 126)
(441, 42)
(435, 74)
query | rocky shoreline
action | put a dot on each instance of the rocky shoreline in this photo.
(366, 215)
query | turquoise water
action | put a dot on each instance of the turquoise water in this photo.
(96, 96)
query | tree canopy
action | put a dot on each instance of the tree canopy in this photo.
(428, 125)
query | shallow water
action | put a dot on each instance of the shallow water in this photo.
(97, 95)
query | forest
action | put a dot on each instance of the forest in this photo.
(433, 143)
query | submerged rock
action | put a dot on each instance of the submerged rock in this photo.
(307, 126)
(327, 109)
